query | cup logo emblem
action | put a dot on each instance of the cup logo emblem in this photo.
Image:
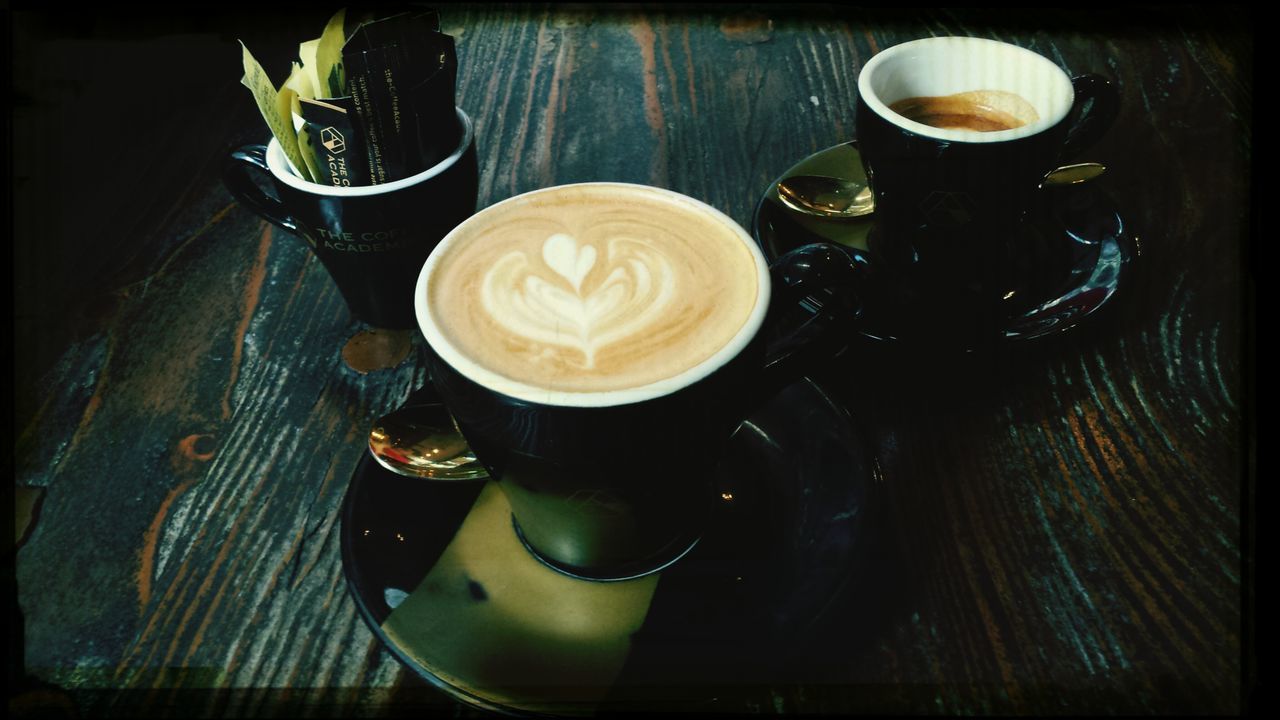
(576, 298)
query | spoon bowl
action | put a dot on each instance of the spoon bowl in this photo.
(826, 197)
(836, 198)
(423, 441)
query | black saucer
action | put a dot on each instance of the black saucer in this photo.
(1083, 256)
(443, 582)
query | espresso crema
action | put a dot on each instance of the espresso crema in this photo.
(976, 110)
(592, 288)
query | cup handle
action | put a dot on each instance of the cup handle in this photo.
(819, 279)
(1090, 123)
(236, 178)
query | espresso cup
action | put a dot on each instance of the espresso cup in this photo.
(598, 344)
(372, 239)
(956, 135)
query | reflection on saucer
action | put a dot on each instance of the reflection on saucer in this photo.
(492, 621)
(439, 575)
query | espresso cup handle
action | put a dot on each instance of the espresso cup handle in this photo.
(818, 279)
(1090, 124)
(236, 177)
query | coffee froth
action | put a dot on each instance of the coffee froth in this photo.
(593, 288)
(977, 110)
(555, 310)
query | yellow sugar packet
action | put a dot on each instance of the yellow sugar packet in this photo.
(276, 108)
(308, 151)
(300, 83)
(329, 58)
(307, 54)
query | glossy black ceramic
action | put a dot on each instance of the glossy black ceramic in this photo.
(949, 215)
(373, 245)
(1078, 255)
(784, 575)
(612, 492)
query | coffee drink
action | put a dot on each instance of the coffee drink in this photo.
(592, 288)
(598, 344)
(956, 135)
(977, 110)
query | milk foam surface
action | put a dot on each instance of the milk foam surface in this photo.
(594, 288)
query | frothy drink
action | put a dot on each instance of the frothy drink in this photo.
(591, 288)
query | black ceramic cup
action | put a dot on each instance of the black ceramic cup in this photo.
(951, 202)
(372, 239)
(615, 484)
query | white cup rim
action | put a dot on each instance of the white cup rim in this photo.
(282, 169)
(512, 388)
(869, 96)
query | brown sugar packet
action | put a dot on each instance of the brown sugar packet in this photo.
(433, 99)
(391, 113)
(407, 68)
(340, 157)
(371, 82)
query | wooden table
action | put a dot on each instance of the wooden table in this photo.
(1067, 528)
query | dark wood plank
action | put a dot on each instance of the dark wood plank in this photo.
(1067, 528)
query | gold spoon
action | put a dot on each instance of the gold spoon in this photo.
(826, 197)
(1073, 174)
(831, 197)
(423, 441)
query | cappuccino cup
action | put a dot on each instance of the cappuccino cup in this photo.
(597, 344)
(956, 135)
(372, 239)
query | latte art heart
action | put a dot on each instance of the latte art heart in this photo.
(592, 289)
(571, 261)
(551, 303)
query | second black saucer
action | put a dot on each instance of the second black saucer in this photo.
(442, 581)
(1082, 259)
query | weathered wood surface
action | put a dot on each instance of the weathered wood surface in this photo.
(1067, 528)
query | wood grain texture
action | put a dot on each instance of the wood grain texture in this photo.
(1067, 528)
